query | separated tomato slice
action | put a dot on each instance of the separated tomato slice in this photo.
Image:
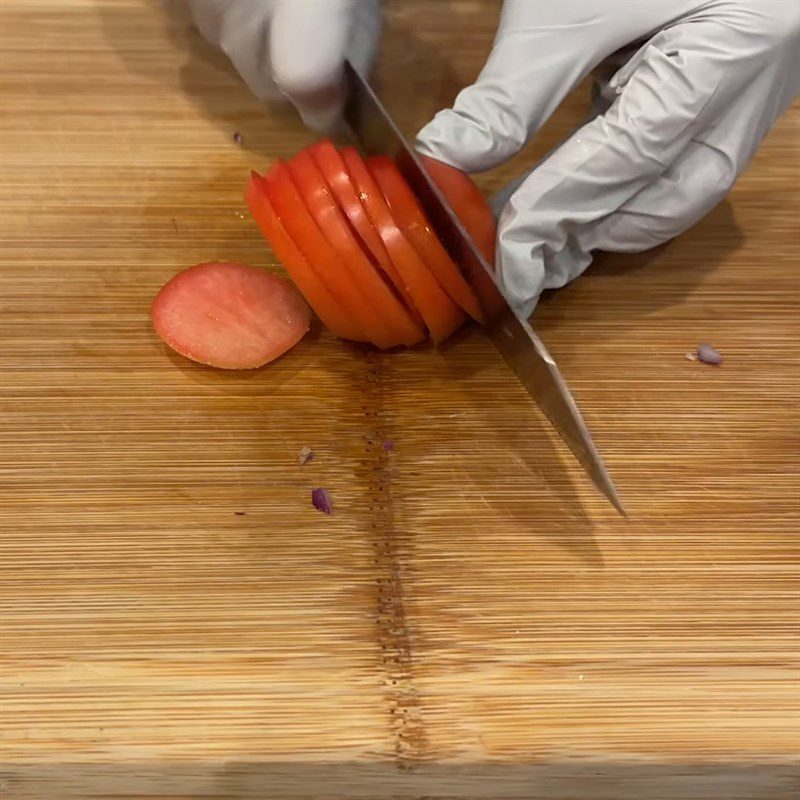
(324, 209)
(408, 214)
(309, 240)
(441, 314)
(325, 305)
(228, 315)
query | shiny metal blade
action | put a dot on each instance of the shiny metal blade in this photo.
(540, 375)
(524, 352)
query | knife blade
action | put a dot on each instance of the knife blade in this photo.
(524, 352)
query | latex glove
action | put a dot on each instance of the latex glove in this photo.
(291, 48)
(683, 116)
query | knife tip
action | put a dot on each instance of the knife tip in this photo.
(611, 495)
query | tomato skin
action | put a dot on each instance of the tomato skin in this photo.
(397, 326)
(411, 219)
(304, 231)
(324, 304)
(466, 200)
(331, 164)
(477, 217)
(359, 246)
(442, 316)
(229, 315)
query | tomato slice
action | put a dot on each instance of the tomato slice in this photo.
(442, 316)
(332, 166)
(325, 305)
(320, 202)
(466, 200)
(309, 240)
(228, 315)
(477, 217)
(411, 219)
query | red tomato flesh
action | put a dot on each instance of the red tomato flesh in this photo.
(357, 243)
(393, 316)
(331, 165)
(476, 215)
(442, 316)
(310, 241)
(325, 305)
(408, 214)
(229, 315)
(466, 200)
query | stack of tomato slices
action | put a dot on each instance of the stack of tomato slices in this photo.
(357, 244)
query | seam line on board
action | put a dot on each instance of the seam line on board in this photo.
(394, 641)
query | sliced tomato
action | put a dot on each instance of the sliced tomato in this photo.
(411, 219)
(466, 200)
(442, 316)
(331, 165)
(477, 217)
(324, 209)
(228, 315)
(309, 240)
(324, 304)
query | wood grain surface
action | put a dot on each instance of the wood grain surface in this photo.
(474, 621)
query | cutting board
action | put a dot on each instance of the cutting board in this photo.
(473, 621)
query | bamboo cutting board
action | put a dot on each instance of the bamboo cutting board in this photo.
(473, 621)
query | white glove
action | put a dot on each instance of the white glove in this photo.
(684, 111)
(291, 48)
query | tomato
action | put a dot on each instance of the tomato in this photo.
(477, 217)
(441, 314)
(358, 244)
(330, 162)
(411, 219)
(324, 304)
(228, 315)
(309, 240)
(466, 200)
(391, 313)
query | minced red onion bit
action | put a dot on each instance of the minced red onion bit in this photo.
(321, 501)
(305, 455)
(708, 355)
(237, 137)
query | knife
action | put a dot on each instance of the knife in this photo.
(524, 352)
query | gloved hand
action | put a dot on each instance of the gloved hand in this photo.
(291, 48)
(682, 114)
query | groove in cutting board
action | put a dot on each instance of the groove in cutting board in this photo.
(394, 641)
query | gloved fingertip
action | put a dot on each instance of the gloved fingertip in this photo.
(443, 139)
(319, 102)
(466, 143)
(326, 120)
(308, 42)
